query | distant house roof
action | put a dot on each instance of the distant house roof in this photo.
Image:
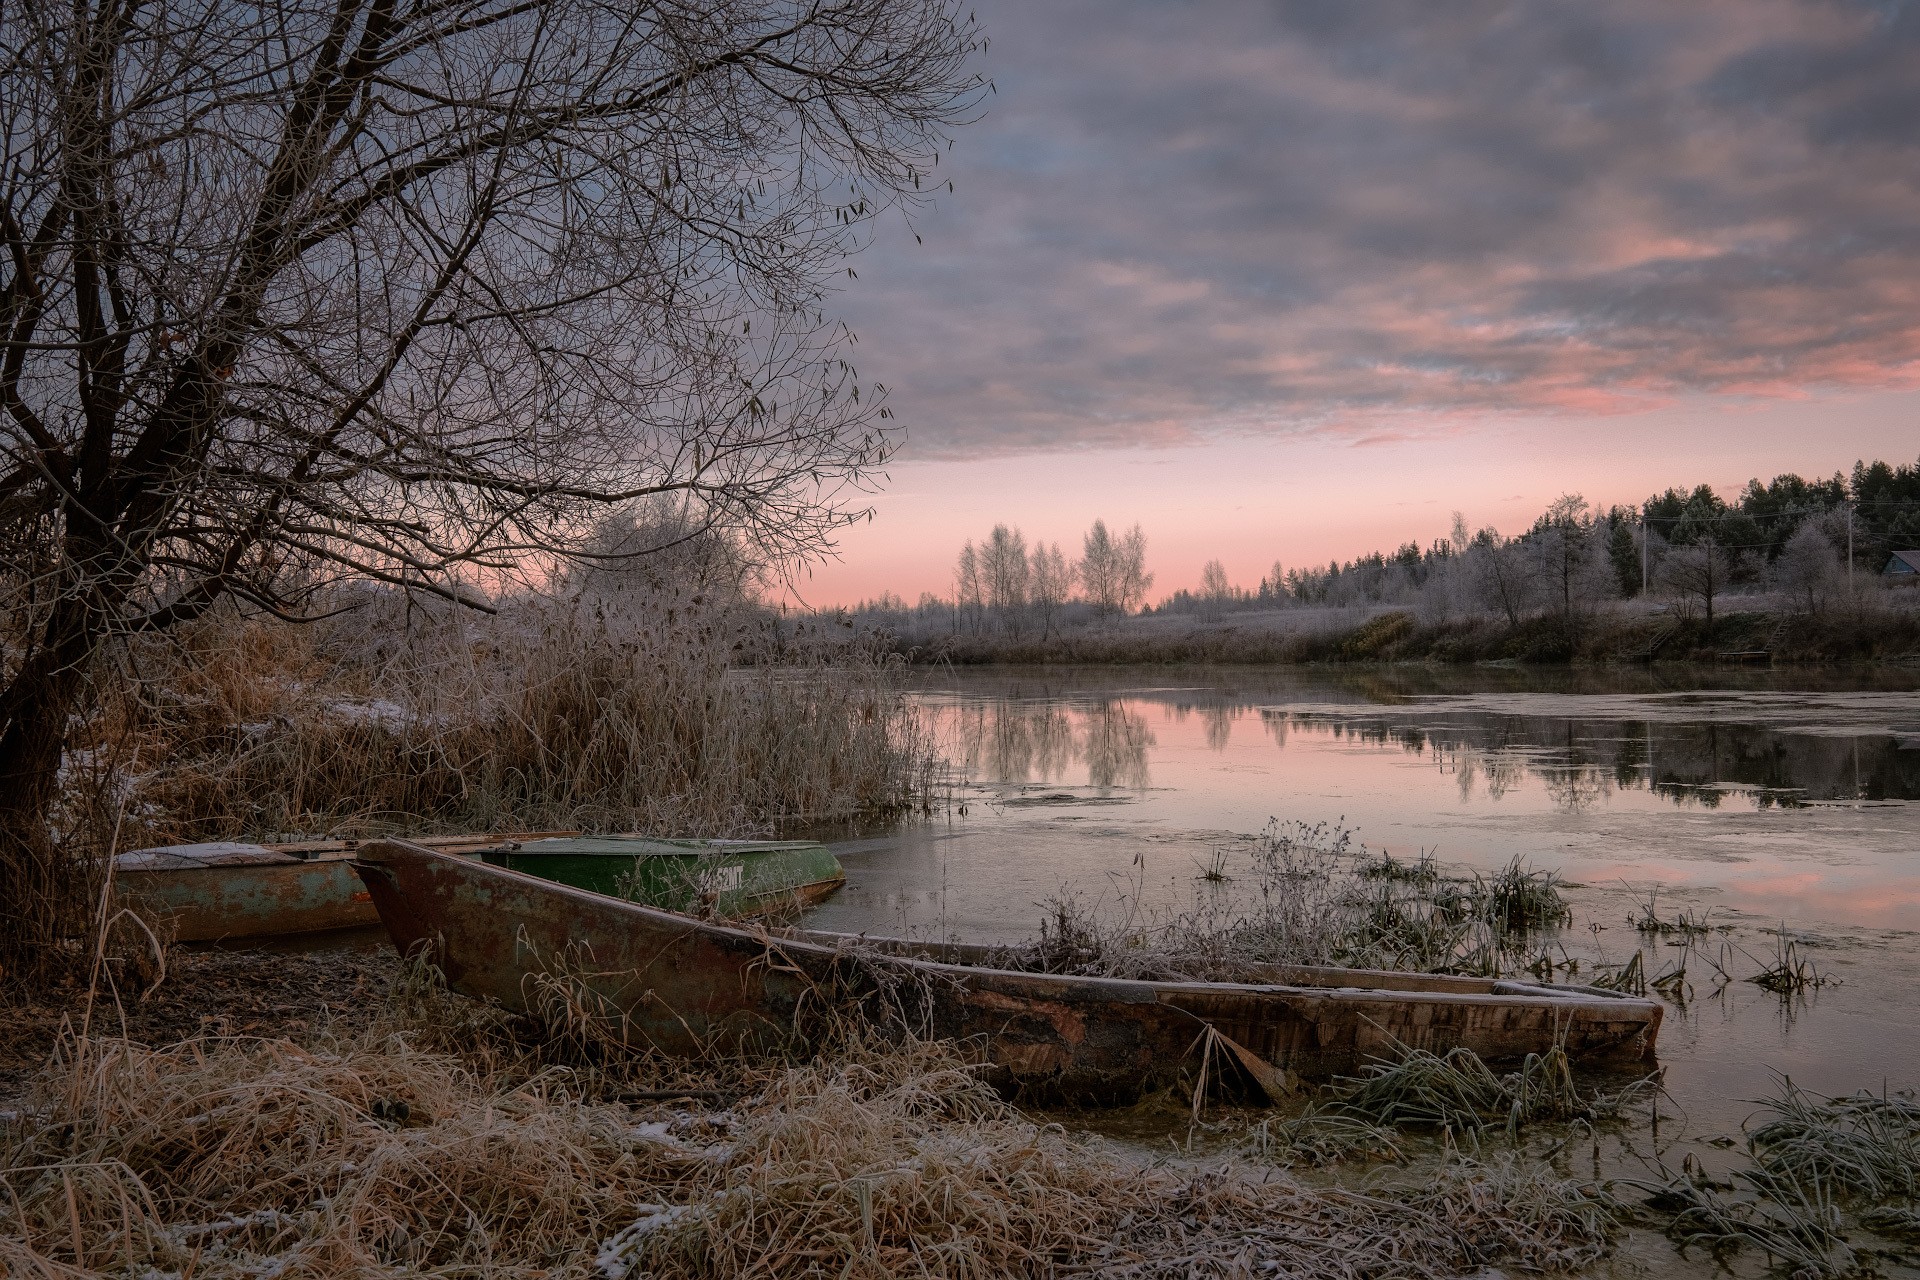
(1903, 563)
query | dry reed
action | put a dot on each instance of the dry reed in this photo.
(391, 1154)
(578, 713)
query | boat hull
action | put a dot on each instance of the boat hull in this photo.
(689, 987)
(208, 904)
(732, 879)
(230, 891)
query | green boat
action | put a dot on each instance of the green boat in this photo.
(734, 879)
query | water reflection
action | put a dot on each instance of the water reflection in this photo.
(1036, 733)
(1012, 741)
(1763, 797)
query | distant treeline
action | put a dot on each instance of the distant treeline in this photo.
(1865, 517)
(1809, 540)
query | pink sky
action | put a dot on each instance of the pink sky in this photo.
(1296, 280)
(1308, 498)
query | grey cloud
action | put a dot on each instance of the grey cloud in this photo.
(1188, 218)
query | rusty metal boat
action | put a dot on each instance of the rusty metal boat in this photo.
(688, 986)
(230, 890)
(734, 879)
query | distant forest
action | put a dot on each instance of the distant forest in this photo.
(1810, 540)
(1877, 507)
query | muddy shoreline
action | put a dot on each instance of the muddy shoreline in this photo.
(207, 991)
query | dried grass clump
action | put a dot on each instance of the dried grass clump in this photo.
(1814, 1161)
(230, 1158)
(1866, 1145)
(1458, 1091)
(569, 713)
(237, 1157)
(902, 1163)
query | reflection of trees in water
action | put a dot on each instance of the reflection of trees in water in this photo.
(1009, 741)
(1116, 746)
(1219, 726)
(1013, 741)
(1497, 772)
(1580, 763)
(1701, 763)
(1275, 720)
(1578, 775)
(1217, 714)
(1577, 787)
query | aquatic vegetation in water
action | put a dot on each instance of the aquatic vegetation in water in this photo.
(1458, 1091)
(1864, 1144)
(1215, 867)
(1685, 923)
(1421, 871)
(1630, 978)
(1798, 1229)
(1790, 973)
(1322, 1136)
(1521, 899)
(1306, 899)
(1809, 1157)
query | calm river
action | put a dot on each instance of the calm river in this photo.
(1772, 798)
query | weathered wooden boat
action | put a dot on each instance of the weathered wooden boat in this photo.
(228, 889)
(735, 879)
(687, 986)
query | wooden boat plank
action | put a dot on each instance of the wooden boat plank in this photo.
(689, 987)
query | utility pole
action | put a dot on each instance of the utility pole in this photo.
(1849, 548)
(1643, 549)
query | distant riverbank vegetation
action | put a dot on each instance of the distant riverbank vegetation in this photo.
(1792, 569)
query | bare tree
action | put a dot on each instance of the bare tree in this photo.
(1215, 590)
(1099, 569)
(1809, 571)
(1052, 581)
(1699, 571)
(1500, 574)
(405, 289)
(970, 595)
(1005, 573)
(1213, 582)
(1569, 554)
(1132, 581)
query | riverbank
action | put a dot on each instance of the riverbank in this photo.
(313, 1122)
(1695, 819)
(434, 1136)
(265, 993)
(1883, 632)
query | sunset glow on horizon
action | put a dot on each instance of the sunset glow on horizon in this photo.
(1297, 281)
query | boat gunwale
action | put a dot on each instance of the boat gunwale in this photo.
(310, 852)
(906, 948)
(522, 851)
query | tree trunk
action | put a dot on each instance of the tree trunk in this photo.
(45, 882)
